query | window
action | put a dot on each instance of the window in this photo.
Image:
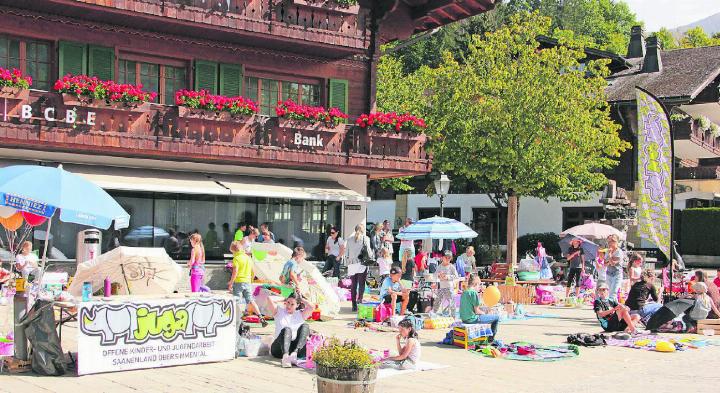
(35, 62)
(165, 80)
(573, 216)
(489, 226)
(267, 93)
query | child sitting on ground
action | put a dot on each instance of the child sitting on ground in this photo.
(408, 354)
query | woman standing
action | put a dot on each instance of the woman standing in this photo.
(197, 262)
(356, 270)
(614, 271)
(407, 265)
(376, 241)
(334, 248)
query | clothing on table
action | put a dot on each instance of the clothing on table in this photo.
(611, 323)
(26, 264)
(639, 294)
(290, 266)
(384, 266)
(576, 261)
(388, 284)
(574, 277)
(285, 344)
(492, 320)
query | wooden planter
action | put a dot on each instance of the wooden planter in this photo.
(375, 141)
(312, 136)
(209, 126)
(10, 100)
(346, 380)
(109, 116)
(328, 6)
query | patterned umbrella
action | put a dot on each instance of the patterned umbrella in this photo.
(437, 228)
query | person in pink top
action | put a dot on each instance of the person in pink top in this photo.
(716, 281)
(197, 262)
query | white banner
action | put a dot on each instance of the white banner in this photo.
(149, 333)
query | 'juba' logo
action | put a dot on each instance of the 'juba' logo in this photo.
(138, 323)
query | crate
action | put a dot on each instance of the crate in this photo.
(708, 324)
(366, 311)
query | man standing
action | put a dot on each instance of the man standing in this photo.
(406, 244)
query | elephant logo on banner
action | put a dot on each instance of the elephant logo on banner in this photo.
(138, 323)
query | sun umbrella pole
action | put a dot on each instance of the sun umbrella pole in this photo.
(45, 250)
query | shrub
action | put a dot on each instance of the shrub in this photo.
(346, 354)
(700, 231)
(528, 243)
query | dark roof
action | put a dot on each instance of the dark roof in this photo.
(685, 73)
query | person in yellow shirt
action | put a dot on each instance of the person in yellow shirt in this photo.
(242, 275)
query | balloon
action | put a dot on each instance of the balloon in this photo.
(664, 346)
(13, 222)
(33, 219)
(491, 296)
(6, 211)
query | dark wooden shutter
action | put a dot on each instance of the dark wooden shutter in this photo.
(338, 95)
(231, 76)
(101, 62)
(72, 58)
(206, 76)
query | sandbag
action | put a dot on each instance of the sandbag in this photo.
(47, 357)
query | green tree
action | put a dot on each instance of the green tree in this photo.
(666, 39)
(697, 38)
(513, 119)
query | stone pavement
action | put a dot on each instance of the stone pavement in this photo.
(595, 370)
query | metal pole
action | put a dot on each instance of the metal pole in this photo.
(442, 199)
(43, 263)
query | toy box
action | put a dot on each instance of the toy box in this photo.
(468, 336)
(367, 311)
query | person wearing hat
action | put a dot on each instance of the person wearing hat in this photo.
(392, 290)
(576, 266)
(702, 307)
(446, 275)
(613, 317)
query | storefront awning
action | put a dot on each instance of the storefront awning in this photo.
(131, 179)
(288, 188)
(127, 179)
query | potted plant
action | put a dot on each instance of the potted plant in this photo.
(344, 366)
(202, 104)
(13, 84)
(315, 115)
(392, 134)
(86, 90)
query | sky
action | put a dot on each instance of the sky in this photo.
(672, 13)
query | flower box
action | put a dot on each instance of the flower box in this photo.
(375, 141)
(14, 93)
(306, 135)
(329, 6)
(227, 128)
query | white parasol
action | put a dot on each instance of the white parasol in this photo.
(138, 270)
(594, 230)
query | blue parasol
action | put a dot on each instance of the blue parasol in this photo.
(437, 228)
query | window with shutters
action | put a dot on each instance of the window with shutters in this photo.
(31, 57)
(163, 79)
(267, 93)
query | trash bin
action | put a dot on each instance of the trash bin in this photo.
(88, 245)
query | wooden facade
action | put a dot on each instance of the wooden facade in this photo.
(269, 47)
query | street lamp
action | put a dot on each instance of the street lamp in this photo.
(442, 187)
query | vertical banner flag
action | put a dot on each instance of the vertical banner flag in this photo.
(655, 164)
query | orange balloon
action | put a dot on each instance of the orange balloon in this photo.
(13, 222)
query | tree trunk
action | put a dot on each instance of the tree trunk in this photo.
(512, 221)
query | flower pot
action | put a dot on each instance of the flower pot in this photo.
(346, 380)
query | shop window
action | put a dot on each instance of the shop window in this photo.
(449, 212)
(165, 80)
(573, 216)
(31, 57)
(490, 225)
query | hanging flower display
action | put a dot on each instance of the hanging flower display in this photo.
(110, 91)
(288, 109)
(203, 100)
(14, 78)
(391, 122)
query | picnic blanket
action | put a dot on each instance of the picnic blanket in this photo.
(539, 353)
(421, 366)
(649, 342)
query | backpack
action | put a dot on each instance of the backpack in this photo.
(587, 340)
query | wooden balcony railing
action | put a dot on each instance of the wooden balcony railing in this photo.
(291, 19)
(49, 121)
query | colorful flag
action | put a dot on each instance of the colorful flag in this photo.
(655, 165)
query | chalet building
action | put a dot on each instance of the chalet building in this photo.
(687, 81)
(177, 168)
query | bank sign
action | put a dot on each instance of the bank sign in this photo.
(116, 336)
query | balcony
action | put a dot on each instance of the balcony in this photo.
(177, 134)
(295, 25)
(693, 143)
